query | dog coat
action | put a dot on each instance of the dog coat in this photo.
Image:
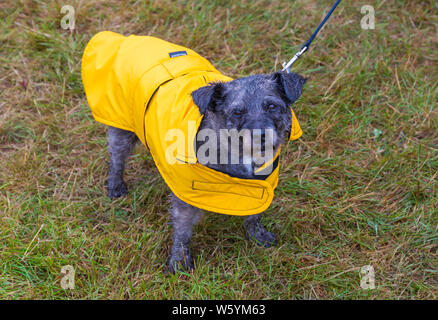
(144, 84)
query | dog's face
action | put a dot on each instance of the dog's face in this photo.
(259, 102)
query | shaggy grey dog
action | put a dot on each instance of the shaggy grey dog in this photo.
(259, 102)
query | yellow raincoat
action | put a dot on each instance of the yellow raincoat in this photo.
(144, 84)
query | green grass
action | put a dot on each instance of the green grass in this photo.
(359, 188)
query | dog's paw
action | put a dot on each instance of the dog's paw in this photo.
(184, 263)
(117, 190)
(262, 237)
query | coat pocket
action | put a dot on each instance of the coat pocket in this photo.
(232, 188)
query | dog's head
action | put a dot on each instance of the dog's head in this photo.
(259, 102)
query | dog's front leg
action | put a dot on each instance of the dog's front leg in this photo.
(184, 217)
(120, 144)
(255, 231)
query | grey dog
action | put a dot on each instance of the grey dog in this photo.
(255, 102)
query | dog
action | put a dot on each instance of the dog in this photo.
(142, 88)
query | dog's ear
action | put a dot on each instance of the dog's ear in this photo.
(208, 97)
(289, 85)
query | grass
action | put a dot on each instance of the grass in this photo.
(359, 188)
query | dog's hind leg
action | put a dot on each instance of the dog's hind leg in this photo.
(120, 144)
(184, 217)
(255, 231)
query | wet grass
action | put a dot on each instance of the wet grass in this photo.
(359, 188)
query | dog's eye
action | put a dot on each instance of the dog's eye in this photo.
(272, 107)
(237, 113)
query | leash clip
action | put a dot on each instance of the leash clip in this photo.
(286, 66)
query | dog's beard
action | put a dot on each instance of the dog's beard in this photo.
(245, 152)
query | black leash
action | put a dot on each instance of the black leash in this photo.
(305, 47)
